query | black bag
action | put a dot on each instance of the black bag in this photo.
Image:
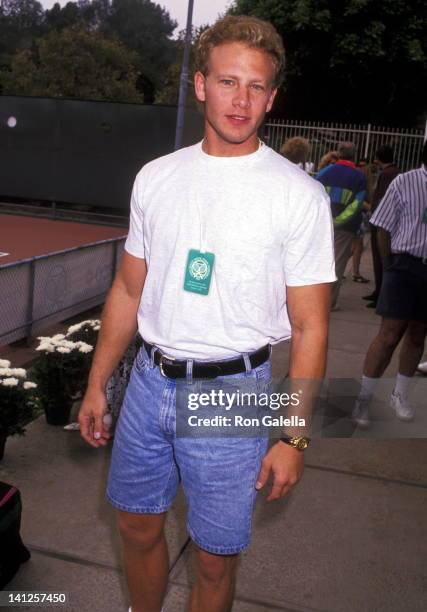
(12, 550)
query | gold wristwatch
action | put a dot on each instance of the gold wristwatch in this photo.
(300, 443)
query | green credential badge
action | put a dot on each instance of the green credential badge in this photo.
(198, 272)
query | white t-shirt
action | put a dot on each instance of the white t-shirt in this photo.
(266, 221)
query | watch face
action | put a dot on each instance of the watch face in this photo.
(302, 443)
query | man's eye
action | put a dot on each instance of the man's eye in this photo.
(257, 87)
(227, 82)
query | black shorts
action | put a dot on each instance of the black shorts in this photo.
(404, 289)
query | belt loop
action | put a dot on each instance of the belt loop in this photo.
(247, 361)
(153, 352)
(190, 371)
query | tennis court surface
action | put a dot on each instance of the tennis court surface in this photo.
(23, 237)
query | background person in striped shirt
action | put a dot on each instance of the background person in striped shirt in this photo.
(401, 219)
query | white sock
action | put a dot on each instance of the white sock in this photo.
(367, 387)
(402, 385)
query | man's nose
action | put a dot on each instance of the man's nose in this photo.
(242, 98)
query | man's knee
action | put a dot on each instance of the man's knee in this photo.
(143, 531)
(215, 568)
(391, 333)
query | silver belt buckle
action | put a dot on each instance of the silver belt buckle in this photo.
(161, 363)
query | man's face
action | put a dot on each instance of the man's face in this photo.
(237, 92)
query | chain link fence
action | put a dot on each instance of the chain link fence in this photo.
(37, 292)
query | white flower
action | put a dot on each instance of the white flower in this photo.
(64, 343)
(85, 348)
(19, 372)
(58, 337)
(45, 346)
(94, 323)
(74, 328)
(96, 327)
(5, 372)
(29, 385)
(4, 363)
(63, 349)
(10, 382)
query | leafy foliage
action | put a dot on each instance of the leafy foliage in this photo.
(349, 59)
(18, 400)
(170, 90)
(134, 36)
(145, 28)
(74, 64)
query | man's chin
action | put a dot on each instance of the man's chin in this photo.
(236, 138)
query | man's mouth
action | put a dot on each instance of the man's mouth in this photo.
(238, 119)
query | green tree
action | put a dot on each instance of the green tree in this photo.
(74, 64)
(169, 93)
(146, 28)
(354, 60)
(84, 14)
(20, 22)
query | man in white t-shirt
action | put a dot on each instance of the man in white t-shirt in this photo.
(230, 250)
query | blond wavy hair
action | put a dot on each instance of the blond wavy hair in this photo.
(251, 31)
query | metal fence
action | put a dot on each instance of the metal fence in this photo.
(406, 143)
(40, 291)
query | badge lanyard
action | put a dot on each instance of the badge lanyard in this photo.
(200, 263)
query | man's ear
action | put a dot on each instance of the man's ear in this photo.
(271, 100)
(200, 86)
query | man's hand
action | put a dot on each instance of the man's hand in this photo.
(92, 427)
(286, 464)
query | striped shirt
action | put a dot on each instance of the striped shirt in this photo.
(403, 213)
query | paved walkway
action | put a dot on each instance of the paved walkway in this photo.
(352, 537)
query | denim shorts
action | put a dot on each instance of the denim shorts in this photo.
(218, 474)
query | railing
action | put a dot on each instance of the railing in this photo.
(42, 290)
(406, 143)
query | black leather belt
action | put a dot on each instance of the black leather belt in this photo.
(174, 368)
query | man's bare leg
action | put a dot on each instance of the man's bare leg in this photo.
(383, 346)
(146, 559)
(357, 254)
(213, 590)
(412, 348)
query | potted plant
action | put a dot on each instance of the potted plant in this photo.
(85, 331)
(18, 402)
(61, 374)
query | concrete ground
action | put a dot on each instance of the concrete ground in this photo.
(351, 537)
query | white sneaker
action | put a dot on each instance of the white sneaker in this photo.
(72, 427)
(402, 407)
(360, 414)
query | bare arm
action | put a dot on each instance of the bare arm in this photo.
(384, 243)
(118, 327)
(308, 308)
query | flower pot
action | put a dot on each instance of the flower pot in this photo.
(3, 438)
(58, 413)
